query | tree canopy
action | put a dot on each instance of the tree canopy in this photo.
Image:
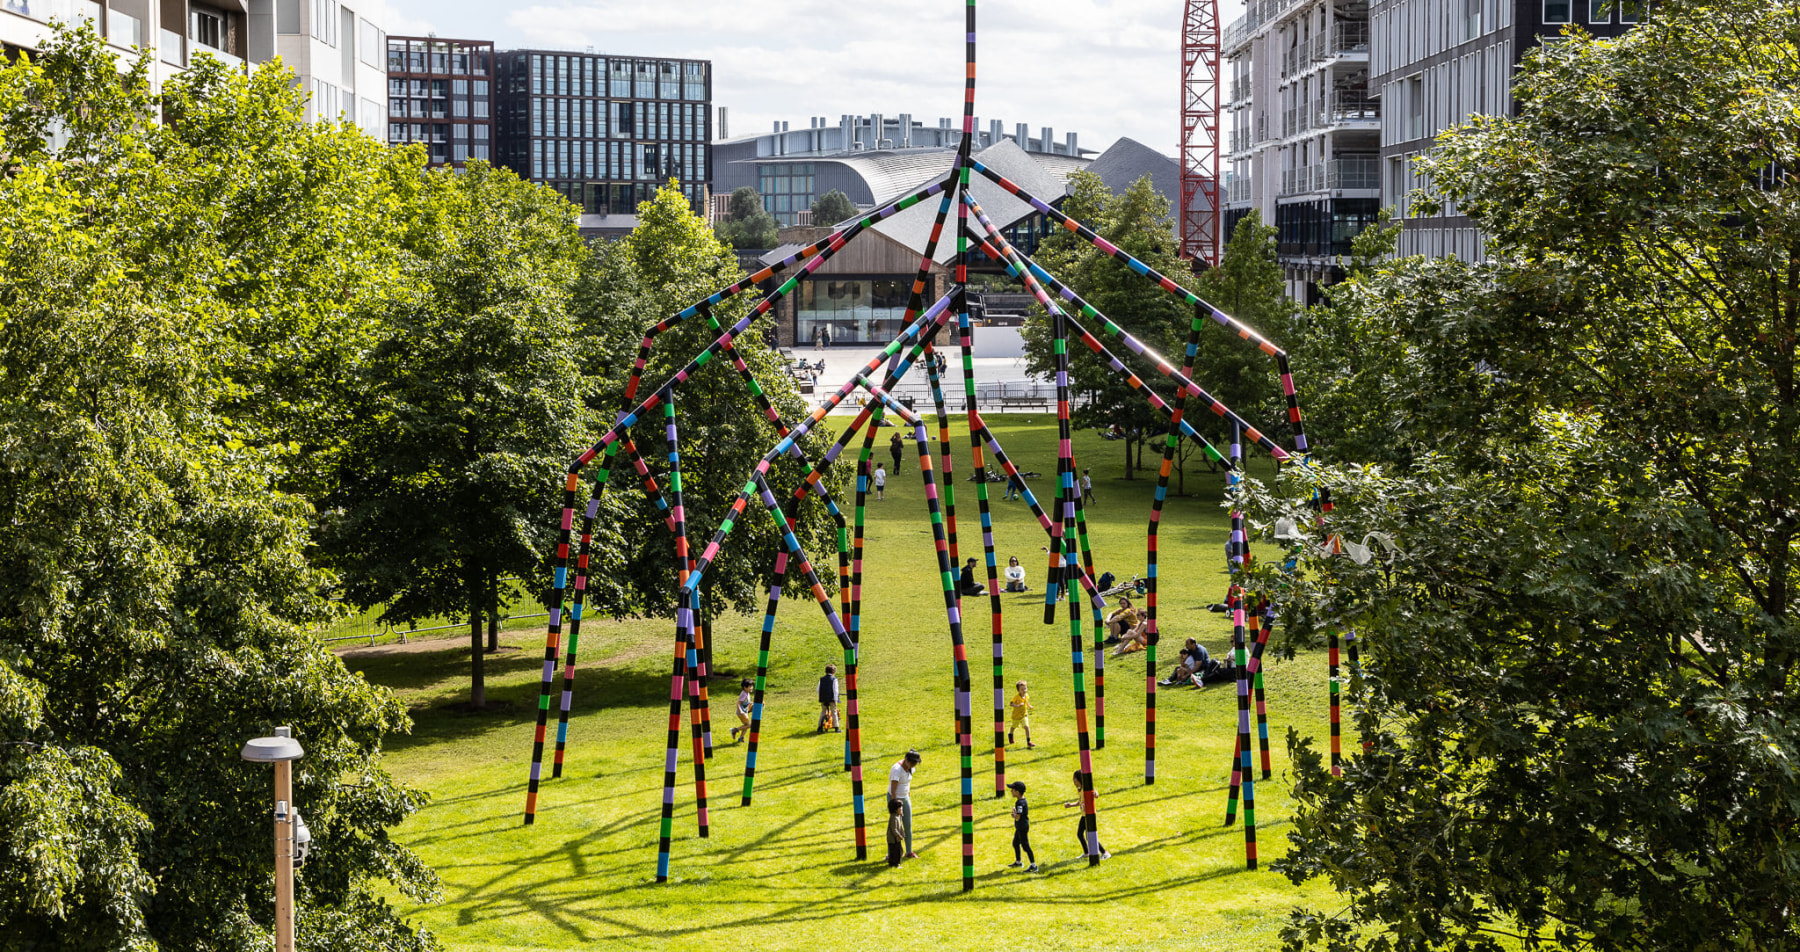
(747, 224)
(183, 278)
(1137, 222)
(1578, 700)
(669, 262)
(466, 411)
(832, 207)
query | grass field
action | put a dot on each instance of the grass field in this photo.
(782, 874)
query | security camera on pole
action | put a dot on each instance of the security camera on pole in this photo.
(291, 835)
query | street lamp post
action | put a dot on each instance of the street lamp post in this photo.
(281, 750)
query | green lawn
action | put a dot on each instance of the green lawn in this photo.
(782, 874)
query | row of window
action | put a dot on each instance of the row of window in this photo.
(1599, 12)
(436, 131)
(620, 198)
(461, 108)
(1447, 94)
(329, 21)
(437, 56)
(437, 88)
(1413, 30)
(577, 75)
(616, 160)
(586, 119)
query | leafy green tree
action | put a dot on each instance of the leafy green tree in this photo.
(670, 261)
(469, 409)
(747, 224)
(1579, 693)
(1138, 223)
(832, 207)
(155, 592)
(1248, 285)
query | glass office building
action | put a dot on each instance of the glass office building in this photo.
(605, 131)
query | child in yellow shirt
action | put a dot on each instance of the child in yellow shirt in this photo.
(1021, 715)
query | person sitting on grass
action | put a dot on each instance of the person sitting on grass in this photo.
(1122, 620)
(1015, 576)
(966, 584)
(1195, 660)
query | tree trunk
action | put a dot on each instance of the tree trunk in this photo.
(1127, 442)
(477, 682)
(493, 614)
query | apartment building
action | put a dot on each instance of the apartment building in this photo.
(605, 131)
(1303, 139)
(440, 93)
(1437, 63)
(338, 52)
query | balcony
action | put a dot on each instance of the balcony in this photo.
(1353, 107)
(123, 29)
(1354, 172)
(71, 12)
(172, 48)
(1238, 191)
(235, 63)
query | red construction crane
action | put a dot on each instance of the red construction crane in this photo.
(1200, 132)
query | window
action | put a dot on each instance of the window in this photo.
(287, 17)
(1630, 11)
(1415, 103)
(324, 22)
(206, 28)
(620, 84)
(1557, 11)
(372, 40)
(643, 85)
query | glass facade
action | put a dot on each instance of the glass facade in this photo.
(786, 190)
(440, 93)
(605, 131)
(856, 310)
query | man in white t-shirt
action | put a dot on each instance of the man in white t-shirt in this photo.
(900, 788)
(880, 481)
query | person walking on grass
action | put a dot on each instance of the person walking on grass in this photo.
(1087, 486)
(900, 789)
(896, 833)
(1021, 816)
(1081, 824)
(828, 699)
(1021, 715)
(880, 481)
(895, 448)
(743, 713)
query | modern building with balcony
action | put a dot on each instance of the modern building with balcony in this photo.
(440, 93)
(605, 131)
(338, 53)
(1303, 135)
(1435, 64)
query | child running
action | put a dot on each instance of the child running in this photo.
(1021, 814)
(743, 712)
(1081, 824)
(1021, 715)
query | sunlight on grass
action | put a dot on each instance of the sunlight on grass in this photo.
(782, 874)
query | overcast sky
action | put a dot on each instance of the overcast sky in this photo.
(1100, 68)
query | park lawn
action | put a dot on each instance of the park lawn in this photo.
(783, 874)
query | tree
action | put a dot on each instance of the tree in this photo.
(1138, 223)
(1587, 733)
(155, 592)
(469, 409)
(832, 207)
(670, 261)
(1247, 284)
(747, 224)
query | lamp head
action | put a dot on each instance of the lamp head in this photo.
(270, 750)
